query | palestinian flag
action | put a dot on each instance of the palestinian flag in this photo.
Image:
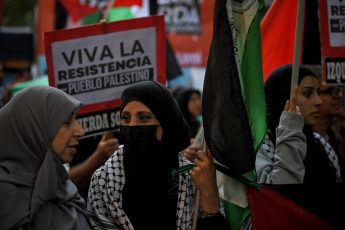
(79, 9)
(298, 207)
(234, 114)
(120, 12)
(278, 29)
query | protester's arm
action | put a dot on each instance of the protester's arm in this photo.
(284, 163)
(81, 174)
(204, 178)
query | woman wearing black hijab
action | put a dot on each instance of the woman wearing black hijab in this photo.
(188, 99)
(291, 153)
(134, 188)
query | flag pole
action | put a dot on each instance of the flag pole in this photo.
(106, 13)
(298, 44)
(196, 210)
(197, 199)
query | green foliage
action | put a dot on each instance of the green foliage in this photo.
(18, 13)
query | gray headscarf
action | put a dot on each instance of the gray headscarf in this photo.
(35, 190)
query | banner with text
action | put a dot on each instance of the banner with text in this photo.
(332, 31)
(192, 50)
(180, 16)
(96, 63)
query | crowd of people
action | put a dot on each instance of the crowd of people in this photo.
(124, 182)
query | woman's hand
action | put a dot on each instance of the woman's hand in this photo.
(291, 106)
(204, 178)
(190, 152)
(105, 148)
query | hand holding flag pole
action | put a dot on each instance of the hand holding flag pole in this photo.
(197, 199)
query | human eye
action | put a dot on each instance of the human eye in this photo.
(145, 117)
(125, 118)
(335, 91)
(307, 93)
(69, 120)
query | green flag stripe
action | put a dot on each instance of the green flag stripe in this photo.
(238, 215)
(252, 79)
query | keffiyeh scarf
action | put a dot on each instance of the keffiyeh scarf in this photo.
(105, 196)
(269, 148)
(332, 157)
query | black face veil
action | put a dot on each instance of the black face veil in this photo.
(163, 105)
(148, 168)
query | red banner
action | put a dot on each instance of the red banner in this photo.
(192, 50)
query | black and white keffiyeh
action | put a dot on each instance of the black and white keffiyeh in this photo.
(105, 196)
(330, 154)
(269, 148)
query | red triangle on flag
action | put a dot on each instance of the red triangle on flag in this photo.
(270, 210)
(77, 10)
(128, 3)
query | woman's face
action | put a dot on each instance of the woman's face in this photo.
(308, 100)
(135, 113)
(66, 139)
(194, 104)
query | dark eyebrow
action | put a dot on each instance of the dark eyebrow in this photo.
(309, 87)
(145, 112)
(139, 113)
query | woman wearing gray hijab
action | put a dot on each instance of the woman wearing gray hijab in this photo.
(38, 134)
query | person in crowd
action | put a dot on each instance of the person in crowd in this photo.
(134, 188)
(40, 133)
(292, 153)
(2, 88)
(338, 122)
(95, 152)
(22, 76)
(333, 143)
(188, 100)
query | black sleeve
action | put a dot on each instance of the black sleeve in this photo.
(214, 222)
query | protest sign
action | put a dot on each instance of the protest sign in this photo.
(192, 49)
(96, 63)
(180, 16)
(332, 31)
